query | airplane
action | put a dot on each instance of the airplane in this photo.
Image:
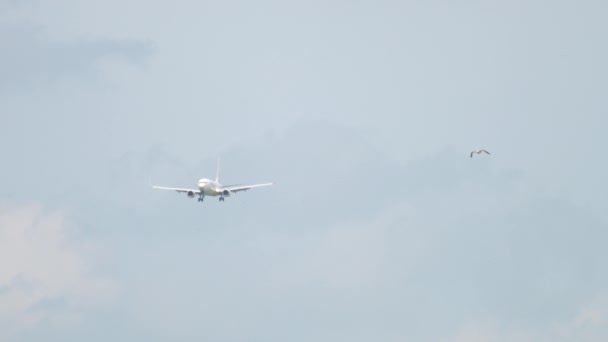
(208, 187)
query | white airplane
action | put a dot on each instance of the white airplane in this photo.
(208, 187)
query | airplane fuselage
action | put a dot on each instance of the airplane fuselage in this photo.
(212, 188)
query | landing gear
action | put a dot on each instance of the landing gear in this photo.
(201, 197)
(222, 199)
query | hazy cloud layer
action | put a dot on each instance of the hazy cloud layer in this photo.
(45, 276)
(378, 227)
(589, 324)
(483, 242)
(30, 61)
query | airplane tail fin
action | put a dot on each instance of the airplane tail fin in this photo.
(217, 175)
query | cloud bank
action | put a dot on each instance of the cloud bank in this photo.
(45, 276)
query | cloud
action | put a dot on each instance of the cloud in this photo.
(351, 244)
(487, 330)
(45, 276)
(590, 324)
(348, 244)
(587, 324)
(30, 60)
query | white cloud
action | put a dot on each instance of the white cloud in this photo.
(44, 276)
(359, 255)
(488, 330)
(590, 323)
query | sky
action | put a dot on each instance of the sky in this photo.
(379, 226)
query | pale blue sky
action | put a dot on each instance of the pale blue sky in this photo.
(379, 225)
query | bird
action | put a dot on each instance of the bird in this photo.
(478, 152)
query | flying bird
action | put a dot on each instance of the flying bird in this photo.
(478, 152)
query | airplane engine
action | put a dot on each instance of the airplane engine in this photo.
(226, 193)
(190, 194)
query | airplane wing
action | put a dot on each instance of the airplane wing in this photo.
(177, 189)
(237, 188)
